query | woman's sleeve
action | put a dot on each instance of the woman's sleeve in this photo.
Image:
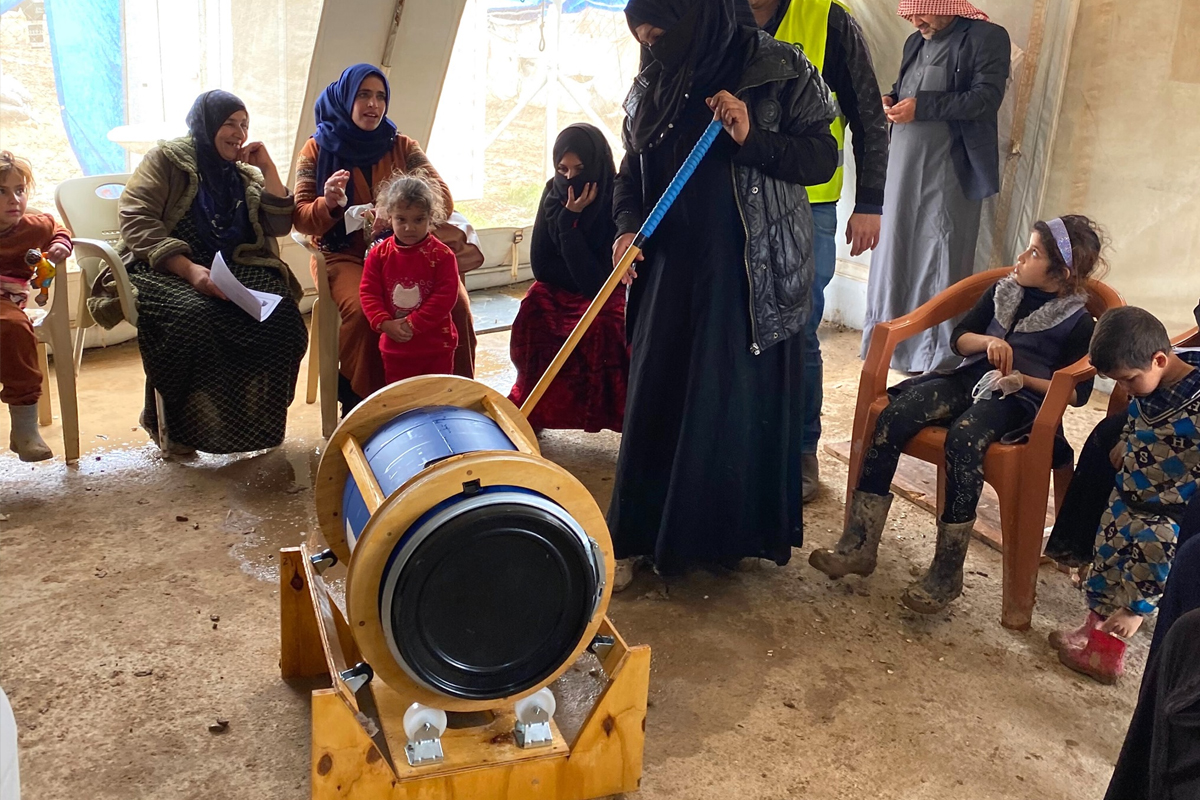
(435, 309)
(276, 213)
(587, 270)
(414, 159)
(370, 291)
(628, 206)
(803, 150)
(311, 215)
(977, 319)
(141, 209)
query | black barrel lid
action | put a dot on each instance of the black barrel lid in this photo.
(492, 602)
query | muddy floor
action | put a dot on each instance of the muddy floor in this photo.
(140, 605)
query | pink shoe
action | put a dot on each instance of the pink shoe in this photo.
(1076, 639)
(1102, 660)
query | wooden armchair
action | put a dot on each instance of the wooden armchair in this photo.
(1020, 473)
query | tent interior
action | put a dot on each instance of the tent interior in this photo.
(764, 685)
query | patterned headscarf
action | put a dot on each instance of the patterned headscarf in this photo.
(947, 8)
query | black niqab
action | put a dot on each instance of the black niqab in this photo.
(219, 210)
(595, 222)
(690, 55)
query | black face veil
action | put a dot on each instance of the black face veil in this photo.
(688, 56)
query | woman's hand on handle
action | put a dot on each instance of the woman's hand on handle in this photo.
(335, 189)
(585, 199)
(732, 113)
(623, 243)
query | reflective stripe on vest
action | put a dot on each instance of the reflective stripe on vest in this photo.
(806, 24)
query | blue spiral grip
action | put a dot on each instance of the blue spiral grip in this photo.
(681, 177)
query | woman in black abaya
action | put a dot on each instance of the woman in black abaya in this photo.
(709, 468)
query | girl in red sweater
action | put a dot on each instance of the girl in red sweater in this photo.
(410, 283)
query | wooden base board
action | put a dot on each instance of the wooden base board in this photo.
(484, 762)
(916, 481)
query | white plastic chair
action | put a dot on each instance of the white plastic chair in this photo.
(88, 206)
(53, 327)
(323, 359)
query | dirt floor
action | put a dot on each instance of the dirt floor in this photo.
(140, 605)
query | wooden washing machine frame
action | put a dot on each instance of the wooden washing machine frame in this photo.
(482, 762)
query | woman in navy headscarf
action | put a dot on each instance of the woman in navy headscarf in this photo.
(225, 378)
(355, 149)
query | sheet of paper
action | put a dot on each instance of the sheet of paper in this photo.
(258, 305)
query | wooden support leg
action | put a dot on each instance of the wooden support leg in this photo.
(1022, 521)
(301, 655)
(45, 415)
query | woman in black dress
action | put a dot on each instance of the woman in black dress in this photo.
(709, 468)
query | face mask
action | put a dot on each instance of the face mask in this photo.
(561, 183)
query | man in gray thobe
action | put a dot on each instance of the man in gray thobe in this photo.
(943, 161)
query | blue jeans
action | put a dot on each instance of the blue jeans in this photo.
(825, 256)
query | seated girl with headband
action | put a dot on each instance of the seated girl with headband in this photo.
(1024, 328)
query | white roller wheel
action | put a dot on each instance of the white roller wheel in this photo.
(527, 707)
(418, 716)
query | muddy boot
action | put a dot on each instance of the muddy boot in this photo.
(856, 551)
(1078, 638)
(1102, 659)
(810, 477)
(24, 439)
(944, 580)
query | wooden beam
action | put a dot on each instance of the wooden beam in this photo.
(356, 460)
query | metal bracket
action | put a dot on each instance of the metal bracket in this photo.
(426, 750)
(424, 727)
(357, 676)
(533, 719)
(323, 560)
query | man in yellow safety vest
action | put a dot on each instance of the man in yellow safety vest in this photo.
(834, 43)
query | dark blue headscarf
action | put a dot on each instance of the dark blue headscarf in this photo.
(343, 144)
(219, 210)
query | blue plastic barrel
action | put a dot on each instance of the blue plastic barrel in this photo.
(408, 444)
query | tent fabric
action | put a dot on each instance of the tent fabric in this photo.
(87, 52)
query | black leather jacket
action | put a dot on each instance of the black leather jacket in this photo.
(789, 147)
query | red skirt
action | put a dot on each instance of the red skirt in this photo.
(589, 392)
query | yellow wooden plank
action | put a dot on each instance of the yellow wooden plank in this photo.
(356, 460)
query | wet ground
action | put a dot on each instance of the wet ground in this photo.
(139, 606)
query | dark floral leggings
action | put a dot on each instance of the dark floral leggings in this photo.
(973, 427)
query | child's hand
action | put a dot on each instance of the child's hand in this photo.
(1000, 353)
(1117, 455)
(380, 221)
(335, 189)
(398, 330)
(58, 252)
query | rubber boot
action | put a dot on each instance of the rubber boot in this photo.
(810, 478)
(857, 550)
(24, 439)
(943, 582)
(1102, 659)
(1077, 638)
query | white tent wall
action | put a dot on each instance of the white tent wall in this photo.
(1127, 151)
